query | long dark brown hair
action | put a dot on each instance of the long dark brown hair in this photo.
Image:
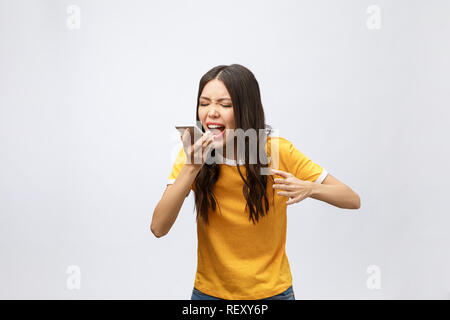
(248, 113)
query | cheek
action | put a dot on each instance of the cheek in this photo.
(201, 114)
(230, 118)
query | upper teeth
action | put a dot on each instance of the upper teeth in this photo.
(214, 126)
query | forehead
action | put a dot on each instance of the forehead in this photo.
(215, 89)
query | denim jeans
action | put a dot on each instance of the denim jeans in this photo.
(286, 295)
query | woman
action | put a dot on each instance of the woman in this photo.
(241, 220)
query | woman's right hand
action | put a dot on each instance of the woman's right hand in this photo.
(204, 144)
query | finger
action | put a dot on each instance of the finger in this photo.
(280, 181)
(185, 138)
(186, 144)
(280, 173)
(202, 152)
(284, 187)
(207, 136)
(185, 133)
(207, 139)
(199, 144)
(207, 150)
(286, 194)
(294, 200)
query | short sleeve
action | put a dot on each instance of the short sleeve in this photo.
(302, 167)
(177, 166)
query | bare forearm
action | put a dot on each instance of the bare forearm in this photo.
(336, 195)
(167, 209)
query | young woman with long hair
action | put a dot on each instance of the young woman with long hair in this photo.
(241, 209)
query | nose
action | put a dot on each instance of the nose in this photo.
(213, 113)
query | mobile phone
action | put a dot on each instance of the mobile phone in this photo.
(195, 132)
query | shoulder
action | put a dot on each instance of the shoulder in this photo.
(282, 151)
(283, 144)
(274, 137)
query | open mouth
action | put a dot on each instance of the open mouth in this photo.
(217, 130)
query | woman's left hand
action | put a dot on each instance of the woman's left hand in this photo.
(294, 188)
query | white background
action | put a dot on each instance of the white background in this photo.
(87, 138)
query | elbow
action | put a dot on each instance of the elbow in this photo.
(156, 232)
(155, 226)
(357, 203)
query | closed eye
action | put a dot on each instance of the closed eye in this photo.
(205, 104)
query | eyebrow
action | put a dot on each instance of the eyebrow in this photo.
(206, 98)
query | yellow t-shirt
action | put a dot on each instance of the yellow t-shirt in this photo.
(235, 258)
